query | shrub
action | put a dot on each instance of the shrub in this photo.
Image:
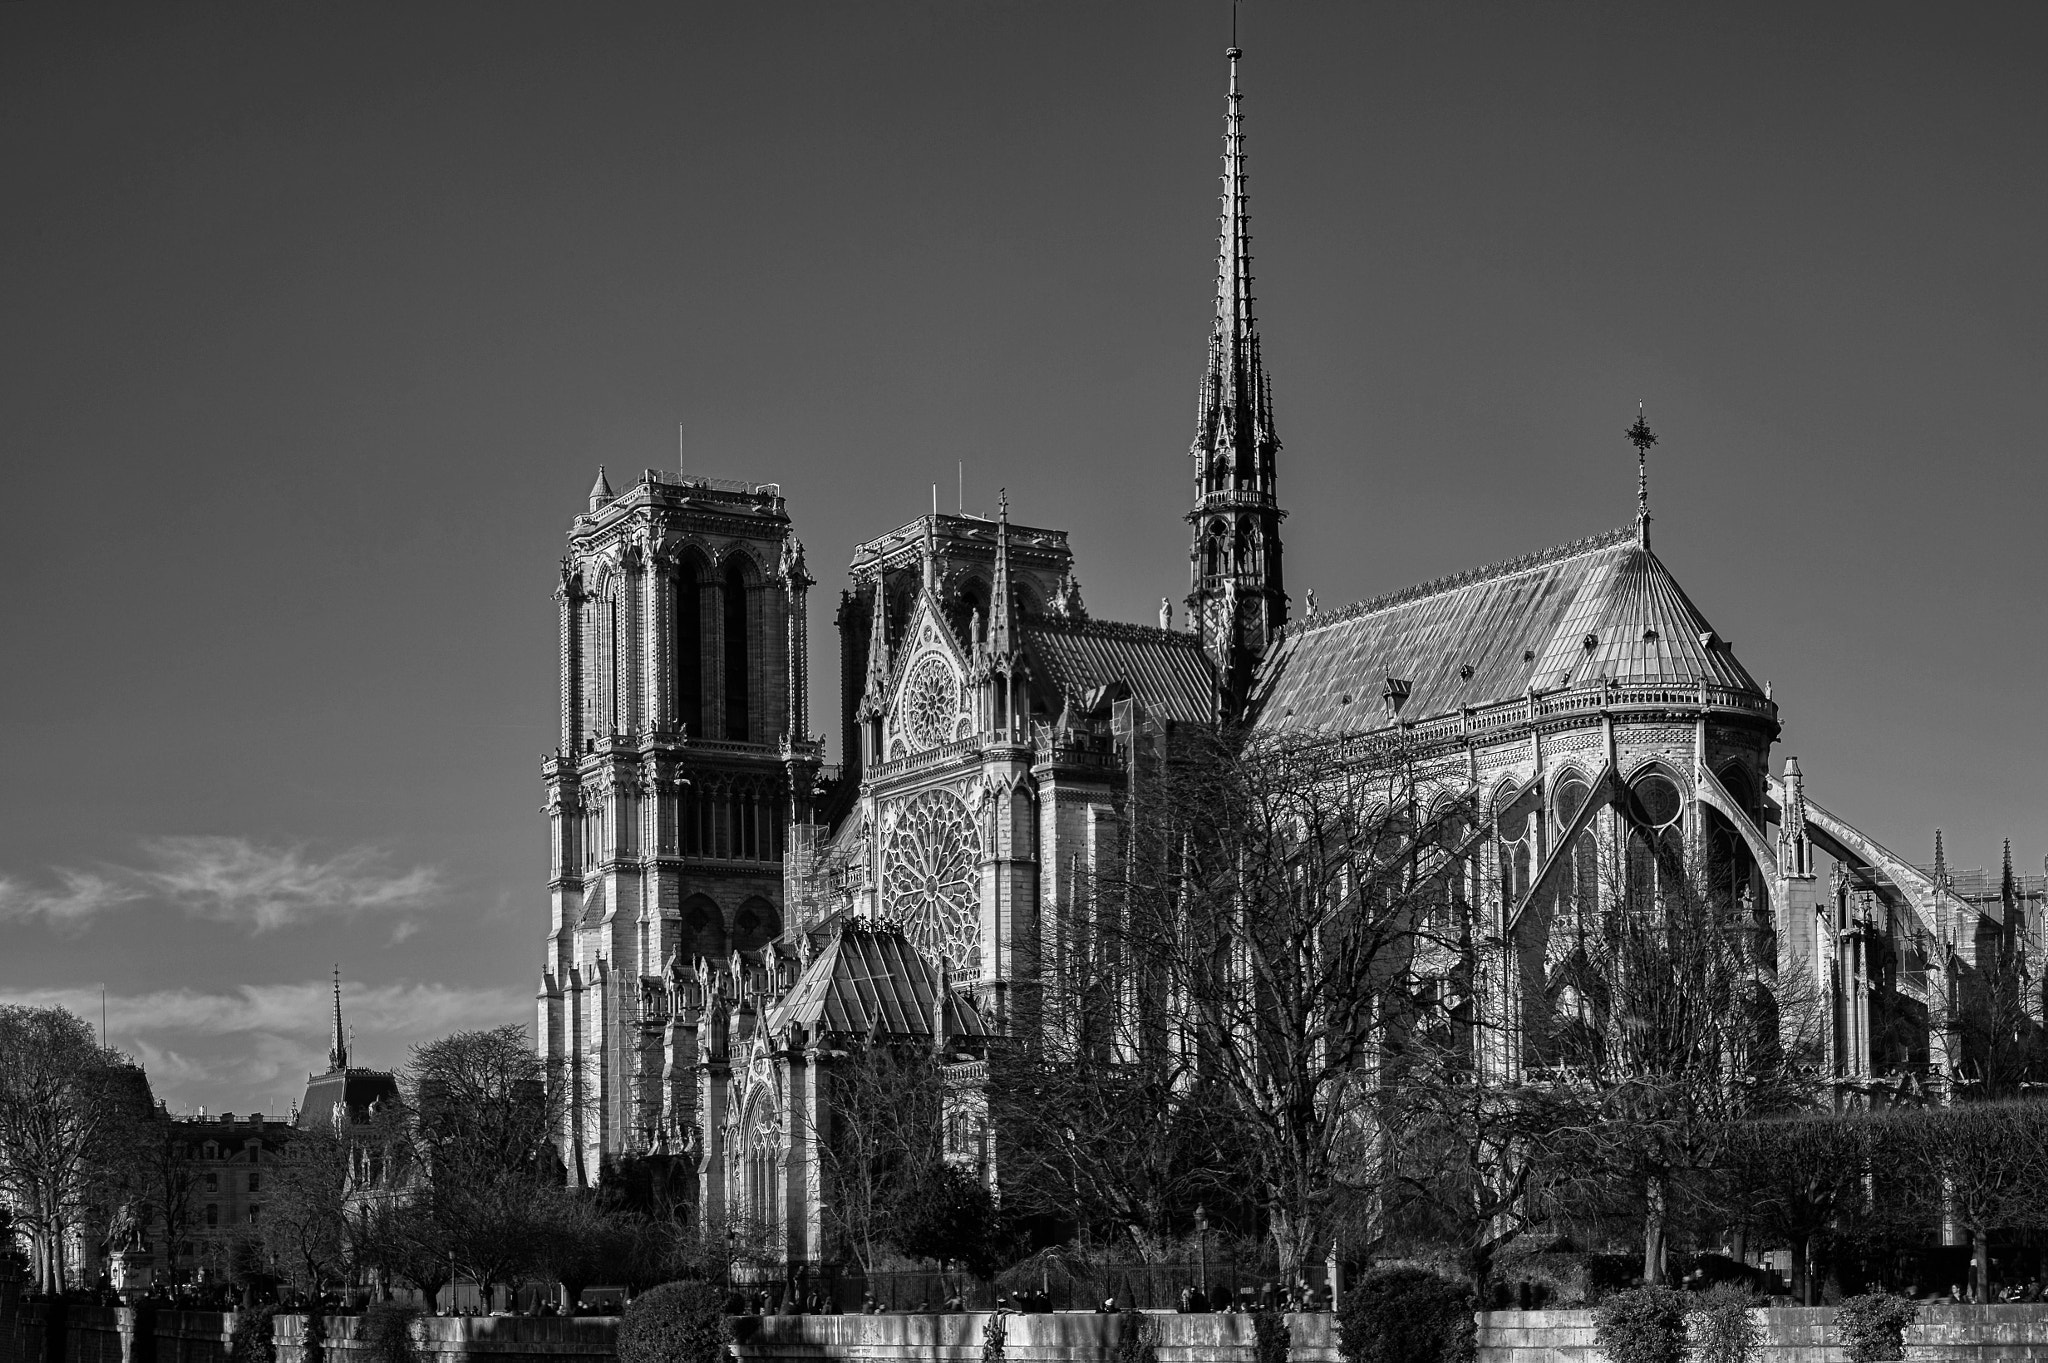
(1270, 1340)
(1873, 1326)
(1137, 1338)
(679, 1322)
(1407, 1315)
(992, 1335)
(1642, 1325)
(1723, 1330)
(387, 1333)
(1607, 1274)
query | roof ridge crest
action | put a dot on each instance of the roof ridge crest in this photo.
(1451, 582)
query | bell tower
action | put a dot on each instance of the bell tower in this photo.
(1237, 599)
(684, 758)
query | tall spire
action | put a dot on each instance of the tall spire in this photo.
(1642, 438)
(1235, 567)
(337, 1053)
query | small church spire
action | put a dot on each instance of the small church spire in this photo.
(878, 639)
(337, 1053)
(1002, 607)
(1641, 436)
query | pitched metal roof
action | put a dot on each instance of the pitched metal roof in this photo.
(870, 980)
(1166, 670)
(1604, 607)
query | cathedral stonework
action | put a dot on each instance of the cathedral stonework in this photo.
(728, 920)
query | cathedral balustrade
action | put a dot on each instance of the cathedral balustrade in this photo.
(918, 761)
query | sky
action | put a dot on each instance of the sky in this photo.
(316, 322)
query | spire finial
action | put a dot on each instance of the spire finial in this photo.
(337, 1053)
(1642, 437)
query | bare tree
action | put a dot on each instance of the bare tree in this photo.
(1683, 1030)
(1274, 895)
(483, 1114)
(303, 1226)
(1793, 1179)
(66, 1106)
(1982, 1164)
(888, 1103)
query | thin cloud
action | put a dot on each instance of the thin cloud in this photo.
(77, 897)
(231, 880)
(264, 1039)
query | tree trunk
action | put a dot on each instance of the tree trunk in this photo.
(1980, 1263)
(1653, 1229)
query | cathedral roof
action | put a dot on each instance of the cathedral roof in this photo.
(872, 981)
(1599, 608)
(1166, 670)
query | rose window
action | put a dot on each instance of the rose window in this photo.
(931, 879)
(931, 701)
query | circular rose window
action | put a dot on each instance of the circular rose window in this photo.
(1656, 801)
(931, 701)
(931, 879)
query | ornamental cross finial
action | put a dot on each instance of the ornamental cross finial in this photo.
(1642, 437)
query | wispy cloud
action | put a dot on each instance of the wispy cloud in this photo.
(255, 1044)
(76, 897)
(226, 879)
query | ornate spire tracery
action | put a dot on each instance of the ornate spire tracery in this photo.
(337, 1053)
(1237, 600)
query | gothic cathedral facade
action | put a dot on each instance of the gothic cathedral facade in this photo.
(726, 913)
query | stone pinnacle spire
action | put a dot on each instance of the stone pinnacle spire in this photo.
(1237, 601)
(337, 1054)
(1642, 438)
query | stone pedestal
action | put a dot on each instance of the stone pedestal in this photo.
(131, 1270)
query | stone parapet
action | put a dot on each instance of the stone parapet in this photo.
(473, 1339)
(1793, 1334)
(1056, 1337)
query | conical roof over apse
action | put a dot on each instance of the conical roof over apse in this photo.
(1604, 608)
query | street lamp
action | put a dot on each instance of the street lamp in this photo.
(1202, 1248)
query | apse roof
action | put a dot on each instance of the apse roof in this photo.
(1604, 607)
(871, 980)
(1167, 671)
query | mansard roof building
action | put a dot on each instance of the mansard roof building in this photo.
(727, 912)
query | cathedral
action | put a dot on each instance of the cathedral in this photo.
(726, 910)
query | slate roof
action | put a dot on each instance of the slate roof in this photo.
(1166, 670)
(354, 1089)
(869, 979)
(1516, 625)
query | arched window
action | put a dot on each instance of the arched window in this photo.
(1656, 849)
(739, 648)
(1579, 894)
(755, 925)
(703, 929)
(1516, 828)
(689, 648)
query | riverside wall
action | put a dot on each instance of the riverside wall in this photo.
(37, 1332)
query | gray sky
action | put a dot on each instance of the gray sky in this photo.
(316, 320)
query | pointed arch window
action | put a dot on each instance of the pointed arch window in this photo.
(739, 649)
(689, 648)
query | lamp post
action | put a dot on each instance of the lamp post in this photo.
(1202, 1248)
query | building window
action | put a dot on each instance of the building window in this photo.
(212, 1180)
(212, 1214)
(255, 1181)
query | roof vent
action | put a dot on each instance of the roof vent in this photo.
(1344, 699)
(1528, 655)
(1466, 672)
(1591, 641)
(1709, 639)
(1650, 635)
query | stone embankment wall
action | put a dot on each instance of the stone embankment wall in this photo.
(36, 1332)
(31, 1332)
(1792, 1334)
(1059, 1338)
(466, 1339)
